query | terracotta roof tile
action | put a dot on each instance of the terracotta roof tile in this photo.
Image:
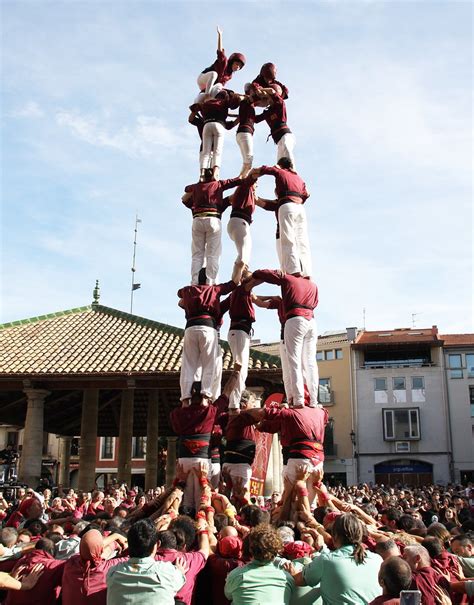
(98, 339)
(458, 340)
(399, 336)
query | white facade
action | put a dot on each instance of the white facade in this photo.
(402, 419)
(459, 371)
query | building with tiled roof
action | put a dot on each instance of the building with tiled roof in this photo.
(103, 360)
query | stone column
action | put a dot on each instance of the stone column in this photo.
(88, 441)
(151, 463)
(124, 470)
(171, 460)
(32, 450)
(64, 460)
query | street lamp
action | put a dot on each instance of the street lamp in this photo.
(353, 437)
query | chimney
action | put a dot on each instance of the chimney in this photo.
(351, 334)
(434, 330)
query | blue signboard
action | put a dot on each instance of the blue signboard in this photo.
(411, 466)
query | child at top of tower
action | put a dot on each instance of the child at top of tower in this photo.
(213, 79)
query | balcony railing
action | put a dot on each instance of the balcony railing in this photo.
(326, 397)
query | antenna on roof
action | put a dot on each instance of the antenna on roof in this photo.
(363, 318)
(413, 319)
(96, 293)
(134, 285)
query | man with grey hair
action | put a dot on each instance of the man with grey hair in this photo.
(424, 578)
(387, 548)
(70, 546)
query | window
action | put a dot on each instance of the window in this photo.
(398, 384)
(320, 356)
(75, 446)
(329, 355)
(471, 399)
(107, 446)
(380, 390)
(455, 365)
(138, 447)
(417, 382)
(401, 424)
(470, 365)
(338, 353)
(325, 390)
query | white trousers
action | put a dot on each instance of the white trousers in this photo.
(199, 350)
(284, 370)
(245, 143)
(239, 233)
(239, 342)
(301, 342)
(216, 385)
(294, 241)
(285, 147)
(206, 248)
(192, 491)
(214, 474)
(207, 86)
(278, 250)
(240, 470)
(212, 145)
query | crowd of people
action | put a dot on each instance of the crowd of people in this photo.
(361, 544)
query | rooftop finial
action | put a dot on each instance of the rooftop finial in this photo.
(96, 293)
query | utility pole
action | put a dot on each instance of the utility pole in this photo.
(134, 286)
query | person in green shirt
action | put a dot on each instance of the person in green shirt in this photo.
(347, 575)
(260, 582)
(141, 580)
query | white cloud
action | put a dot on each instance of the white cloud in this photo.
(145, 138)
(29, 110)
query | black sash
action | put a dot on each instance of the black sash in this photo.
(194, 446)
(240, 451)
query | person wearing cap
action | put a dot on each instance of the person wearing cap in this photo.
(201, 304)
(213, 79)
(293, 247)
(242, 315)
(194, 424)
(267, 77)
(239, 453)
(299, 298)
(276, 118)
(228, 556)
(205, 200)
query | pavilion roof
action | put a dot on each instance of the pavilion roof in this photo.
(96, 340)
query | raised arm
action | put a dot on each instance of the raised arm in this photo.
(220, 48)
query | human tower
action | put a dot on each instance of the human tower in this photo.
(206, 414)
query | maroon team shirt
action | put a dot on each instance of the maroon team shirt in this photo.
(48, 586)
(220, 67)
(289, 186)
(243, 200)
(246, 117)
(201, 301)
(277, 303)
(217, 110)
(240, 307)
(208, 198)
(275, 116)
(261, 81)
(301, 428)
(195, 562)
(299, 294)
(238, 426)
(197, 419)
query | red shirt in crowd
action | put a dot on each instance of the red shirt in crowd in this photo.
(219, 568)
(207, 197)
(48, 586)
(204, 300)
(288, 184)
(426, 580)
(93, 592)
(299, 294)
(195, 560)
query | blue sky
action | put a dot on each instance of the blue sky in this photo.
(94, 104)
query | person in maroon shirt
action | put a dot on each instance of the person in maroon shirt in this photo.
(200, 344)
(215, 113)
(276, 118)
(207, 203)
(246, 128)
(194, 424)
(394, 576)
(293, 247)
(242, 316)
(267, 77)
(212, 79)
(238, 227)
(239, 454)
(424, 578)
(299, 299)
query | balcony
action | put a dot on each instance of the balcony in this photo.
(326, 397)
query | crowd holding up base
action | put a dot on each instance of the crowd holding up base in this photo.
(359, 545)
